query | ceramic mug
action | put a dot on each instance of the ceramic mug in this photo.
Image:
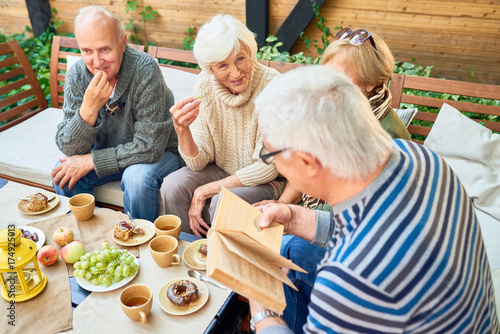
(163, 249)
(136, 301)
(168, 225)
(82, 206)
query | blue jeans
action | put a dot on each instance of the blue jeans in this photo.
(139, 183)
(307, 256)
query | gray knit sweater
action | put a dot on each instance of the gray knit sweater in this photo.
(139, 131)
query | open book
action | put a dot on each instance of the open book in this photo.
(245, 257)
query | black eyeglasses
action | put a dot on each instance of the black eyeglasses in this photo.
(267, 156)
(356, 37)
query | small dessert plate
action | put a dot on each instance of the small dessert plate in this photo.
(39, 233)
(171, 308)
(191, 257)
(149, 232)
(23, 204)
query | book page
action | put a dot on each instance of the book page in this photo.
(262, 261)
(243, 277)
(254, 252)
(234, 214)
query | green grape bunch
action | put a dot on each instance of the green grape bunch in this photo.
(107, 266)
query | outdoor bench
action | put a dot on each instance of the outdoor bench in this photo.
(404, 89)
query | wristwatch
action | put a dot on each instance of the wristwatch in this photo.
(261, 315)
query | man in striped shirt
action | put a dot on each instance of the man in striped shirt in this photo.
(405, 252)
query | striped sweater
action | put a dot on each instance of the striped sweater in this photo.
(406, 256)
(226, 129)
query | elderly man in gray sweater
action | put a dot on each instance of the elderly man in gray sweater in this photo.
(117, 124)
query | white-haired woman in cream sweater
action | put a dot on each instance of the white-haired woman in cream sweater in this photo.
(217, 128)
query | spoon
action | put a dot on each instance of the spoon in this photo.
(131, 219)
(197, 275)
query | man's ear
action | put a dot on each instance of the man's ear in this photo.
(124, 41)
(309, 164)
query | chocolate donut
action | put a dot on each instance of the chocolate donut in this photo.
(182, 293)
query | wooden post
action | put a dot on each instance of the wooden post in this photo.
(296, 23)
(258, 19)
(40, 15)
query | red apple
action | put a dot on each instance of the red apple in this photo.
(47, 255)
(63, 236)
(72, 252)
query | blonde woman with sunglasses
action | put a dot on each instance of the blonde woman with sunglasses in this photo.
(367, 61)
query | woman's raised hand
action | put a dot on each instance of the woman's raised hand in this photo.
(185, 112)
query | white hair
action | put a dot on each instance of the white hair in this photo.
(220, 37)
(101, 10)
(317, 110)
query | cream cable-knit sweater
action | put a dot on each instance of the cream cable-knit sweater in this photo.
(226, 129)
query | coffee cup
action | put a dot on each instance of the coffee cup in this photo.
(82, 206)
(136, 301)
(168, 225)
(163, 249)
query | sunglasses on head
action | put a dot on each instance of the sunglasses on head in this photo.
(356, 37)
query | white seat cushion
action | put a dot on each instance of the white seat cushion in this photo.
(70, 59)
(473, 152)
(181, 83)
(29, 150)
(490, 229)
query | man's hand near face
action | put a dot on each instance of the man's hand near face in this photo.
(96, 96)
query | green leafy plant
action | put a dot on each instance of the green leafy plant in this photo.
(188, 41)
(147, 14)
(130, 5)
(326, 33)
(270, 52)
(412, 68)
